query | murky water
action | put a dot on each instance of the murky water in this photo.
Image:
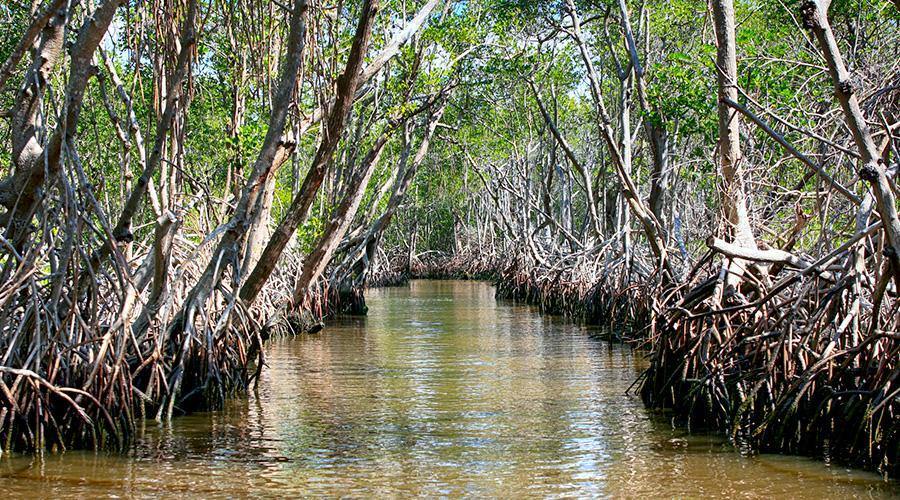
(440, 391)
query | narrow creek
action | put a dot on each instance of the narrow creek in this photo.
(440, 391)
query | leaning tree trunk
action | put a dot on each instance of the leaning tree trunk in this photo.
(259, 230)
(382, 58)
(656, 133)
(122, 232)
(42, 18)
(314, 263)
(815, 17)
(652, 227)
(347, 85)
(360, 257)
(226, 253)
(23, 191)
(399, 193)
(625, 88)
(594, 223)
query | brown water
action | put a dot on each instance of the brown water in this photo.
(440, 391)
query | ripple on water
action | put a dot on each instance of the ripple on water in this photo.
(440, 391)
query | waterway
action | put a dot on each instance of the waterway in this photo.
(441, 391)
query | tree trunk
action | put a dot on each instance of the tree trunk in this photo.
(258, 232)
(734, 200)
(873, 171)
(315, 262)
(360, 258)
(346, 92)
(573, 160)
(625, 141)
(382, 58)
(122, 231)
(227, 252)
(656, 133)
(22, 192)
(41, 19)
(651, 227)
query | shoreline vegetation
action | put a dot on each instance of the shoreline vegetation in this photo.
(182, 180)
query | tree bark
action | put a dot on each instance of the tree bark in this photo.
(259, 231)
(315, 262)
(378, 62)
(360, 258)
(570, 155)
(625, 88)
(651, 226)
(122, 230)
(734, 199)
(41, 19)
(656, 133)
(872, 170)
(22, 191)
(226, 252)
(347, 85)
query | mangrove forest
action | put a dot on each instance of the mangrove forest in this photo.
(444, 248)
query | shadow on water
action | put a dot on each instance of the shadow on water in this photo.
(440, 391)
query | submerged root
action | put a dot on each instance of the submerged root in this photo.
(808, 366)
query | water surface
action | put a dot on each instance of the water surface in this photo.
(440, 391)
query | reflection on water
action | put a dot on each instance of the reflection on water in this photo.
(440, 391)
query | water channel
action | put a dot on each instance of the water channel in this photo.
(440, 391)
